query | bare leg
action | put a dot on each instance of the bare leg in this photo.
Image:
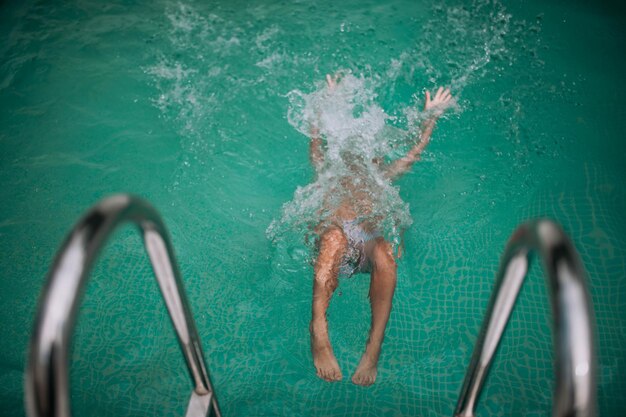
(333, 245)
(382, 287)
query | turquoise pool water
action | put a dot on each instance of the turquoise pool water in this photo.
(186, 103)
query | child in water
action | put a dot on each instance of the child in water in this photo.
(348, 245)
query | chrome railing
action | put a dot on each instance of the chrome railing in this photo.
(573, 330)
(47, 381)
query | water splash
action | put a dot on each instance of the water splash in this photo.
(457, 45)
(363, 120)
(358, 139)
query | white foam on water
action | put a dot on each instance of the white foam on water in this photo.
(271, 61)
(224, 45)
(179, 98)
(357, 137)
(262, 40)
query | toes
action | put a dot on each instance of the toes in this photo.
(337, 375)
(334, 375)
(329, 374)
(364, 380)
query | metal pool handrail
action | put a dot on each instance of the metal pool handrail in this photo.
(573, 330)
(47, 379)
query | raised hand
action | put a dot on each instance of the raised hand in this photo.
(438, 104)
(331, 81)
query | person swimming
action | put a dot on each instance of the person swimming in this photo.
(350, 241)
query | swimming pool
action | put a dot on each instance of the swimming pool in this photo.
(186, 104)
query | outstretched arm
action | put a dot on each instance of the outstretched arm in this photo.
(316, 152)
(436, 106)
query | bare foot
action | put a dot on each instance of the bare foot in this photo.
(324, 359)
(365, 373)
